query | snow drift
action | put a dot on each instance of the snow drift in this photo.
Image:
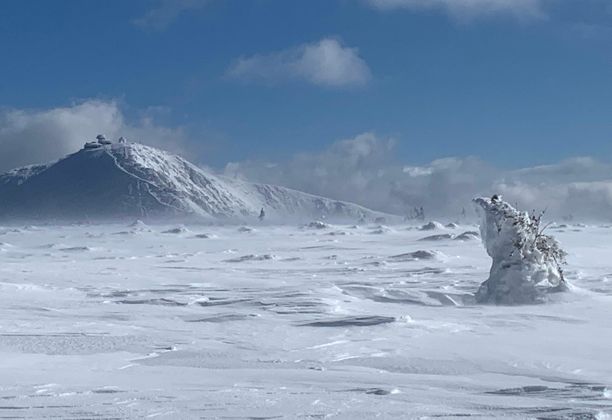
(130, 180)
(526, 262)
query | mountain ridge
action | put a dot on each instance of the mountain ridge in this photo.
(126, 180)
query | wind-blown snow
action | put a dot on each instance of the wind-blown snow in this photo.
(286, 322)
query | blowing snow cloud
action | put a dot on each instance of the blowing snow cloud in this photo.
(364, 169)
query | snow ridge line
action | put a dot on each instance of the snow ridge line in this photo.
(145, 181)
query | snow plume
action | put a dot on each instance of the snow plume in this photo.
(348, 170)
(40, 136)
(323, 63)
(526, 262)
(467, 10)
(365, 170)
(580, 188)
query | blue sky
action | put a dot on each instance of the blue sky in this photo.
(266, 79)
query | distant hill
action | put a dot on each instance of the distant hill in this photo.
(120, 180)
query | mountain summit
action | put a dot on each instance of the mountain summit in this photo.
(107, 180)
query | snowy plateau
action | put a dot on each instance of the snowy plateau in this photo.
(297, 316)
(300, 322)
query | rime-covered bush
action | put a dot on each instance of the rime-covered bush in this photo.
(526, 262)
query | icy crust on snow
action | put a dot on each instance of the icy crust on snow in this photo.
(526, 263)
(135, 181)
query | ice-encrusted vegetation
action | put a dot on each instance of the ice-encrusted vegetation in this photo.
(526, 262)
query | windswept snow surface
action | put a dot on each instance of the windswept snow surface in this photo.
(120, 321)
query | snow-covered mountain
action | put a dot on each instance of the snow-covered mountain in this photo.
(103, 181)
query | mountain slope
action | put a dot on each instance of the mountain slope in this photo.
(133, 180)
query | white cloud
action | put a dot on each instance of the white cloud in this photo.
(365, 170)
(579, 186)
(362, 169)
(324, 63)
(166, 12)
(466, 10)
(40, 136)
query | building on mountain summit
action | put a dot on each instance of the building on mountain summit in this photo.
(102, 139)
(92, 145)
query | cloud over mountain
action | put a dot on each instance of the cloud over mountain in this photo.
(42, 135)
(365, 170)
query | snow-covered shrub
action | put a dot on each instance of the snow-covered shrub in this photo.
(177, 230)
(433, 225)
(526, 262)
(92, 145)
(317, 224)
